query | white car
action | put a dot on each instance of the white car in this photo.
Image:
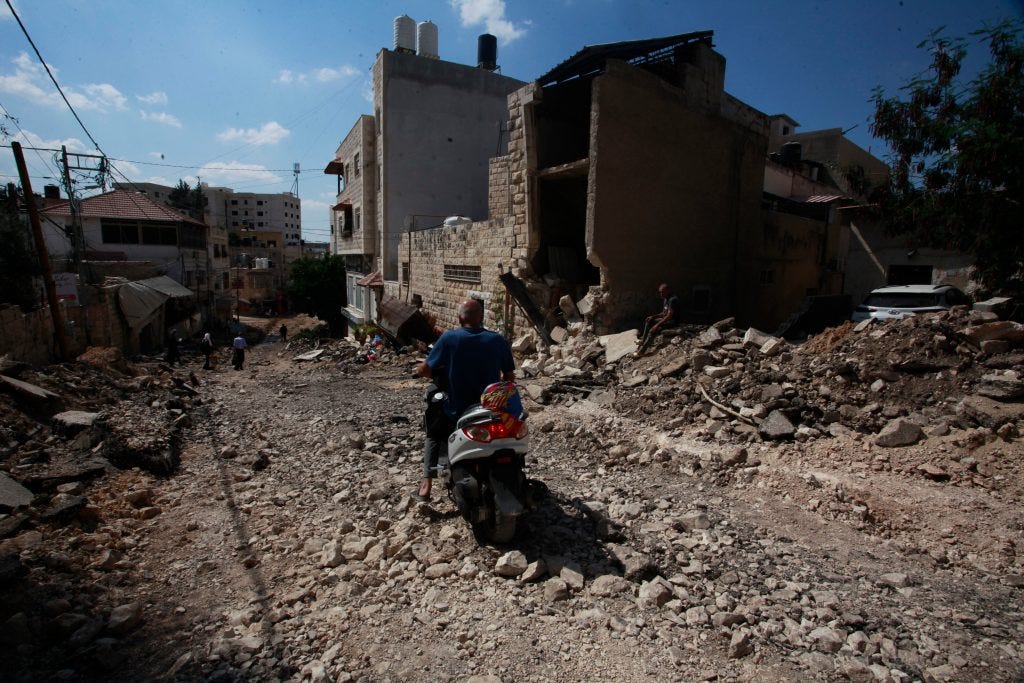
(899, 301)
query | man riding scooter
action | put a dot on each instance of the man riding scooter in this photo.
(464, 362)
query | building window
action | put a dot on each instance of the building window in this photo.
(356, 164)
(785, 130)
(234, 212)
(259, 213)
(461, 273)
(405, 272)
(259, 202)
(116, 232)
(355, 292)
(234, 202)
(356, 216)
(767, 277)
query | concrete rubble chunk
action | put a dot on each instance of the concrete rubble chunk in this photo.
(827, 639)
(710, 337)
(12, 494)
(899, 432)
(1001, 329)
(124, 618)
(74, 420)
(617, 346)
(568, 307)
(655, 592)
(739, 645)
(1002, 387)
(559, 335)
(716, 371)
(511, 564)
(755, 339)
(773, 347)
(525, 343)
(555, 589)
(310, 355)
(610, 584)
(777, 426)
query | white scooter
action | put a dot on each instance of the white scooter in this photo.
(484, 471)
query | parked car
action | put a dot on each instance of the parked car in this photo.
(899, 301)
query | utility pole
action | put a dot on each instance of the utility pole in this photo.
(44, 257)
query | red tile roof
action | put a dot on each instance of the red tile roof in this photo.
(123, 204)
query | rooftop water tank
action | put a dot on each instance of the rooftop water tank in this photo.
(405, 34)
(487, 52)
(426, 39)
(790, 153)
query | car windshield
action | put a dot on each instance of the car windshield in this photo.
(903, 300)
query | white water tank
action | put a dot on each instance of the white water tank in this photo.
(426, 39)
(262, 263)
(405, 34)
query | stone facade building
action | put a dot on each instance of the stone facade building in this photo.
(423, 156)
(628, 166)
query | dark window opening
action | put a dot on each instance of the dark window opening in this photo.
(910, 275)
(563, 123)
(563, 227)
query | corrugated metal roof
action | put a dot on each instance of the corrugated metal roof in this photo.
(591, 58)
(819, 198)
(123, 204)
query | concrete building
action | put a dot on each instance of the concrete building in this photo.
(869, 257)
(628, 165)
(421, 157)
(128, 233)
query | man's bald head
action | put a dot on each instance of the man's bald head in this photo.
(471, 313)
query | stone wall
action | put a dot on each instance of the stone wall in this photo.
(29, 337)
(487, 245)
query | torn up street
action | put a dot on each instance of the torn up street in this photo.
(726, 507)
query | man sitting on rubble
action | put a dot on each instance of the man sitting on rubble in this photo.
(670, 316)
(463, 362)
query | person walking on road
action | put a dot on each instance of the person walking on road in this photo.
(238, 353)
(206, 346)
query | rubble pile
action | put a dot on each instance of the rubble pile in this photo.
(747, 384)
(689, 534)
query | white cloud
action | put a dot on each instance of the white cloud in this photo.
(490, 13)
(324, 74)
(30, 139)
(127, 168)
(160, 117)
(228, 172)
(367, 91)
(159, 97)
(5, 14)
(156, 155)
(268, 134)
(29, 80)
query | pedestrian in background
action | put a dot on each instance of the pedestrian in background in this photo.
(283, 332)
(206, 346)
(238, 354)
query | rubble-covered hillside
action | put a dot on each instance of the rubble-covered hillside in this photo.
(725, 506)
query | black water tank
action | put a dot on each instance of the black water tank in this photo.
(487, 52)
(51, 191)
(790, 153)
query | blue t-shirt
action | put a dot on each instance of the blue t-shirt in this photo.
(469, 359)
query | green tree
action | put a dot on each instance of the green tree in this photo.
(318, 288)
(188, 200)
(957, 176)
(19, 267)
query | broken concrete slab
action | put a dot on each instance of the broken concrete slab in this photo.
(568, 308)
(988, 412)
(619, 345)
(12, 494)
(559, 335)
(74, 420)
(24, 390)
(899, 432)
(1002, 387)
(1002, 329)
(310, 355)
(709, 337)
(754, 338)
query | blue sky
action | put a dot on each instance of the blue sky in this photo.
(236, 92)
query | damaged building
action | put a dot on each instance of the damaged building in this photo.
(628, 165)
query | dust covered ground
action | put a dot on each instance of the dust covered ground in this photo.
(721, 508)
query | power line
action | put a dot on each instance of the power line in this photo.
(50, 74)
